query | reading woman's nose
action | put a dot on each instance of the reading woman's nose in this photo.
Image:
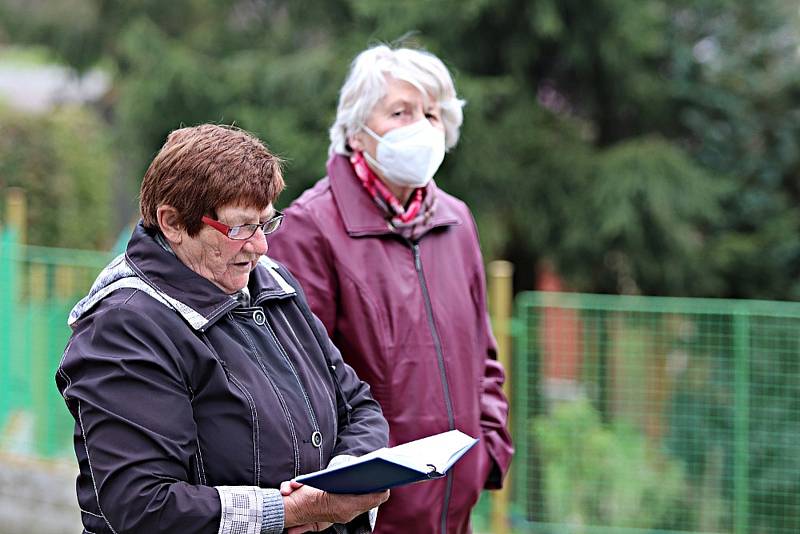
(257, 243)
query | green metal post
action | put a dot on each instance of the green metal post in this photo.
(6, 300)
(45, 401)
(604, 368)
(8, 297)
(38, 395)
(741, 422)
(521, 420)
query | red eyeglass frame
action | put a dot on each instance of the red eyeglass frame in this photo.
(226, 230)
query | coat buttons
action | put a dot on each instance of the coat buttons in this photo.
(259, 317)
(316, 439)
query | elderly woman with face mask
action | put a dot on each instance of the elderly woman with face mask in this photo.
(200, 381)
(391, 265)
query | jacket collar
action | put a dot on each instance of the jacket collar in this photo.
(152, 268)
(358, 211)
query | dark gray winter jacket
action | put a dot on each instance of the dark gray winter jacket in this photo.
(191, 409)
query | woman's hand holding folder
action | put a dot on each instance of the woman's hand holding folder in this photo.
(308, 509)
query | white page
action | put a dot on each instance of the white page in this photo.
(437, 450)
(384, 453)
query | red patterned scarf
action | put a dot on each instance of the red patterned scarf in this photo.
(407, 220)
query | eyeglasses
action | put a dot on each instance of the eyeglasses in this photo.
(245, 231)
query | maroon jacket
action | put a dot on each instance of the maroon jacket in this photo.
(410, 317)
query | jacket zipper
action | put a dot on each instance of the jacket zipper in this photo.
(274, 386)
(311, 415)
(440, 356)
(330, 403)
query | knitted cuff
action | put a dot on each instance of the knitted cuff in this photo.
(272, 513)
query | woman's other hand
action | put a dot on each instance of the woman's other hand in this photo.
(310, 509)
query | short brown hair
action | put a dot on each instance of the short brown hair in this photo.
(202, 168)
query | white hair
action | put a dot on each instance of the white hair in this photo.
(365, 86)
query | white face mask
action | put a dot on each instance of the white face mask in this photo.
(410, 155)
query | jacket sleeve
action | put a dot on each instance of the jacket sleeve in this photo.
(494, 420)
(303, 249)
(137, 433)
(494, 404)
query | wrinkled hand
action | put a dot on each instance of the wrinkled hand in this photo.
(287, 488)
(308, 509)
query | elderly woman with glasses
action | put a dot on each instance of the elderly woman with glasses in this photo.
(391, 264)
(200, 382)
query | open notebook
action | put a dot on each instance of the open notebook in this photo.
(415, 461)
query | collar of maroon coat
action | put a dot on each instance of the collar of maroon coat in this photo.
(361, 216)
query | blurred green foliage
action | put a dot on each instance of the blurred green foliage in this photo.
(597, 474)
(702, 415)
(639, 146)
(63, 161)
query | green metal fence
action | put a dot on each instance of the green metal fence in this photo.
(655, 415)
(38, 286)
